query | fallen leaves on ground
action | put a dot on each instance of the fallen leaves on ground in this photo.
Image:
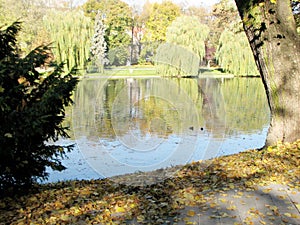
(196, 184)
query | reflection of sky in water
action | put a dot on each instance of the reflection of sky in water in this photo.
(79, 168)
(162, 143)
(161, 150)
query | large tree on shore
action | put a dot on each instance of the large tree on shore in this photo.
(161, 16)
(271, 31)
(117, 17)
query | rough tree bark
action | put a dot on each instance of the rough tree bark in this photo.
(271, 30)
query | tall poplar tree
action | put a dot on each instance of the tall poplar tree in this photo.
(99, 46)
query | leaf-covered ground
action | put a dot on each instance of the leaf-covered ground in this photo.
(216, 188)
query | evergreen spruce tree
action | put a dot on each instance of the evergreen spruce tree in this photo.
(32, 108)
(99, 46)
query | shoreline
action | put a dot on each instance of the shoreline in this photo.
(157, 76)
(252, 187)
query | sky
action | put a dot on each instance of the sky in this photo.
(186, 2)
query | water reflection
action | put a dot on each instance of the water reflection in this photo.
(128, 125)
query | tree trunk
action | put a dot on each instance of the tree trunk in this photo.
(271, 30)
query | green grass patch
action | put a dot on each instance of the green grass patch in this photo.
(127, 71)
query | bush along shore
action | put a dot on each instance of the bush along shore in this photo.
(127, 200)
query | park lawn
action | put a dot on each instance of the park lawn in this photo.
(150, 71)
(127, 72)
(108, 201)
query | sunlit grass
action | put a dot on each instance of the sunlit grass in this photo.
(126, 71)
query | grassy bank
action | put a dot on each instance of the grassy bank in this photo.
(151, 71)
(126, 71)
(130, 198)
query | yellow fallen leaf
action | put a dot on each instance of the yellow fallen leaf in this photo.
(288, 214)
(140, 218)
(52, 219)
(213, 205)
(58, 205)
(272, 218)
(285, 220)
(273, 208)
(237, 196)
(262, 222)
(223, 200)
(224, 215)
(120, 209)
(185, 219)
(292, 215)
(215, 217)
(295, 216)
(77, 211)
(281, 197)
(267, 190)
(189, 222)
(65, 218)
(191, 213)
(231, 208)
(132, 205)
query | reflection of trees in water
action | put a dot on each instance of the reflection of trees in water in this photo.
(246, 105)
(91, 112)
(158, 117)
(213, 112)
(232, 106)
(155, 107)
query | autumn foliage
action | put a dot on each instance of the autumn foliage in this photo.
(200, 185)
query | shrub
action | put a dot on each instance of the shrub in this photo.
(118, 56)
(31, 111)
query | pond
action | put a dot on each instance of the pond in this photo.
(127, 125)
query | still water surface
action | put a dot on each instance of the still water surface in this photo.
(127, 125)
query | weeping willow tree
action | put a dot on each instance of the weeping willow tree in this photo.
(174, 60)
(71, 34)
(186, 42)
(234, 54)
